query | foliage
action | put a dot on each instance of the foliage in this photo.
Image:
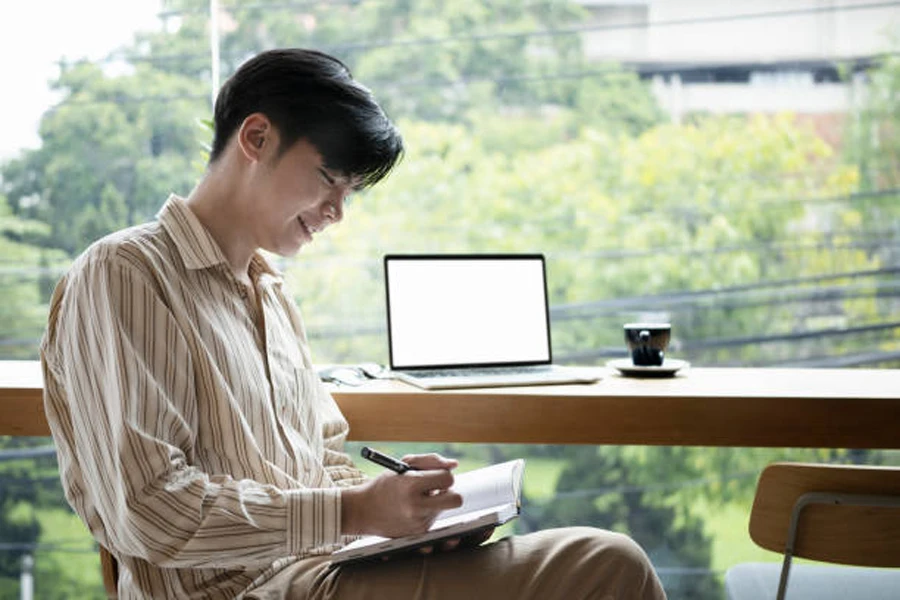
(704, 206)
(23, 312)
(109, 155)
(606, 487)
(23, 487)
(515, 143)
(874, 144)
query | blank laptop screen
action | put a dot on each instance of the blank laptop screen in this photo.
(461, 310)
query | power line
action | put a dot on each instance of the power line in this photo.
(125, 101)
(780, 299)
(355, 46)
(28, 273)
(819, 362)
(561, 311)
(747, 340)
(862, 239)
(307, 4)
(764, 248)
(842, 361)
(598, 309)
(257, 5)
(20, 453)
(384, 84)
(44, 547)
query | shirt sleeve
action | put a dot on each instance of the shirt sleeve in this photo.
(338, 463)
(125, 369)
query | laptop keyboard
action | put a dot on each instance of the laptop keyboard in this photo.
(479, 371)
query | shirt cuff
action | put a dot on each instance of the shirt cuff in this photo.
(314, 519)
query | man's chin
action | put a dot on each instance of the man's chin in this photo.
(288, 250)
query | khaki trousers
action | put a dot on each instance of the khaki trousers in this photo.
(567, 564)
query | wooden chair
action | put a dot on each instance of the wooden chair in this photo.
(843, 514)
(110, 570)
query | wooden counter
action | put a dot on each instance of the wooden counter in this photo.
(834, 408)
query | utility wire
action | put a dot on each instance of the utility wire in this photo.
(842, 361)
(753, 340)
(29, 273)
(385, 84)
(482, 37)
(561, 314)
(784, 283)
(44, 547)
(310, 4)
(20, 453)
(780, 299)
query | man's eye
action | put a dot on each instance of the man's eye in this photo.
(326, 177)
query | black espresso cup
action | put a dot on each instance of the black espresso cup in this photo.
(647, 342)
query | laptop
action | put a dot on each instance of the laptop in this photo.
(471, 320)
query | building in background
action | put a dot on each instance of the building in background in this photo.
(808, 57)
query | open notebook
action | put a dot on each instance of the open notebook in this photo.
(471, 320)
(491, 496)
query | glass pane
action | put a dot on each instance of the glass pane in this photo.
(733, 171)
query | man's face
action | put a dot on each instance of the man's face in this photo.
(297, 197)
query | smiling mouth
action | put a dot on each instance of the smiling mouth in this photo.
(305, 227)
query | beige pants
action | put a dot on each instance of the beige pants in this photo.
(566, 564)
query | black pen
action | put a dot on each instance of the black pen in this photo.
(389, 462)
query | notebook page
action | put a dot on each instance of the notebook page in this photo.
(487, 487)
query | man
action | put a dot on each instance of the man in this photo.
(195, 439)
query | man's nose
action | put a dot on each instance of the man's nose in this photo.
(334, 206)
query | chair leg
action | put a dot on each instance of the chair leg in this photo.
(782, 581)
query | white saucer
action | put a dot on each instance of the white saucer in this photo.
(669, 367)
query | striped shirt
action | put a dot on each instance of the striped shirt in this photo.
(194, 437)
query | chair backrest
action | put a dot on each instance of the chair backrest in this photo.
(109, 568)
(833, 528)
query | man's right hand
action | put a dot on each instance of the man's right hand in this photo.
(393, 505)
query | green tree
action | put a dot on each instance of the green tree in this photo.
(516, 143)
(874, 146)
(624, 490)
(427, 59)
(111, 152)
(24, 267)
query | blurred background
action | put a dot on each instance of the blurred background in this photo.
(732, 168)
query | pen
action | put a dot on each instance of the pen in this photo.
(389, 462)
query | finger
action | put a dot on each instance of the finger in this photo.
(443, 500)
(426, 481)
(450, 544)
(430, 461)
(426, 550)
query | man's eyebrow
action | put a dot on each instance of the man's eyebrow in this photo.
(324, 171)
(354, 182)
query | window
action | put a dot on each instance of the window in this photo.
(732, 169)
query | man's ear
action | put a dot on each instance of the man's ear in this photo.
(255, 133)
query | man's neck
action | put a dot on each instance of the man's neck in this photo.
(216, 204)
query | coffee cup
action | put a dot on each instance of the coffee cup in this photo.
(647, 342)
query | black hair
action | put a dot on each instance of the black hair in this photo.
(310, 95)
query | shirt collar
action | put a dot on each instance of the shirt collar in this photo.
(196, 245)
